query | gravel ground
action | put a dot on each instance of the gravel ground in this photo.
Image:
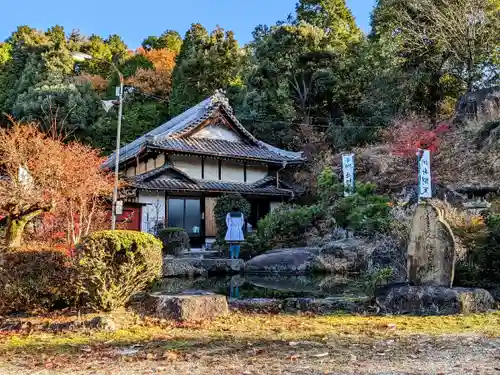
(446, 355)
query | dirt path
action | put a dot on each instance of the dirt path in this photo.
(464, 354)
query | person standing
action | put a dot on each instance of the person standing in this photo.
(234, 235)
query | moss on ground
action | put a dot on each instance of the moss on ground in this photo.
(243, 328)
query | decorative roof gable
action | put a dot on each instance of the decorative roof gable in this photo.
(166, 171)
(184, 134)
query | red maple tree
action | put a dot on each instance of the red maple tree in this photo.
(406, 137)
(41, 174)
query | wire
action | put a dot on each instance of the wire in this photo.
(329, 123)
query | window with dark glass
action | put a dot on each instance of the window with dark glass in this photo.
(185, 213)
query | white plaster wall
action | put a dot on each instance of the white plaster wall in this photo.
(217, 132)
(256, 172)
(191, 165)
(150, 165)
(141, 168)
(211, 170)
(232, 172)
(130, 172)
(153, 211)
(160, 160)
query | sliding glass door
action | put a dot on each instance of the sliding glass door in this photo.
(185, 213)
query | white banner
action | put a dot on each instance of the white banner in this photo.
(348, 170)
(424, 174)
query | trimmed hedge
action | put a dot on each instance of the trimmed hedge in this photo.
(175, 240)
(112, 266)
(35, 280)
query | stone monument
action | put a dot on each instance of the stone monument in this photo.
(431, 248)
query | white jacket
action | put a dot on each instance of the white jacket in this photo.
(235, 228)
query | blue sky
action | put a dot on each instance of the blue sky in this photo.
(135, 20)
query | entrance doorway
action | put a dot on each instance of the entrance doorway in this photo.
(186, 213)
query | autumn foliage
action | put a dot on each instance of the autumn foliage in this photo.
(404, 138)
(97, 82)
(156, 81)
(41, 174)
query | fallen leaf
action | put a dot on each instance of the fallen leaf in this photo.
(171, 356)
(321, 355)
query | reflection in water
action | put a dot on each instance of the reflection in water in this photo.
(259, 286)
(234, 292)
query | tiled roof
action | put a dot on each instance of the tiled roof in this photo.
(219, 147)
(189, 120)
(162, 170)
(215, 186)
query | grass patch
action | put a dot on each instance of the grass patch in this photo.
(259, 329)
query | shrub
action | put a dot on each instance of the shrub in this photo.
(35, 279)
(225, 203)
(364, 211)
(175, 240)
(286, 226)
(114, 265)
(251, 247)
(482, 265)
(371, 281)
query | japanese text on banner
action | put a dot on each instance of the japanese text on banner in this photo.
(348, 170)
(424, 174)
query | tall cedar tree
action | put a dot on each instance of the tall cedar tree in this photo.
(205, 63)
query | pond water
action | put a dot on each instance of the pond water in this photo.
(263, 286)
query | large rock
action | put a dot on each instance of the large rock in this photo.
(431, 249)
(389, 253)
(342, 256)
(291, 261)
(430, 300)
(345, 256)
(187, 306)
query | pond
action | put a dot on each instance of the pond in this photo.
(264, 286)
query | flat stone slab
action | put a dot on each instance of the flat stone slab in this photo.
(257, 305)
(429, 300)
(192, 305)
(201, 266)
(180, 267)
